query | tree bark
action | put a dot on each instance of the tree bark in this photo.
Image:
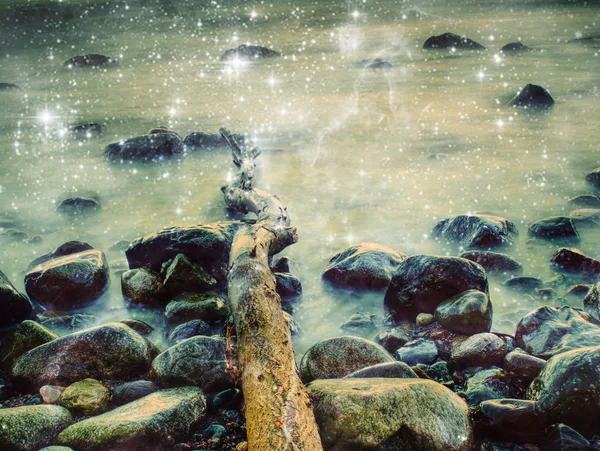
(278, 411)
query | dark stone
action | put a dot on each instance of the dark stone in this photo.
(533, 97)
(392, 339)
(142, 286)
(364, 266)
(574, 261)
(26, 336)
(422, 282)
(466, 313)
(130, 391)
(591, 302)
(91, 60)
(14, 306)
(524, 284)
(512, 420)
(187, 330)
(554, 228)
(522, 365)
(578, 291)
(78, 206)
(586, 201)
(362, 324)
(146, 148)
(285, 264)
(486, 385)
(209, 307)
(494, 262)
(585, 217)
(86, 130)
(421, 350)
(560, 437)
(160, 129)
(68, 248)
(480, 350)
(210, 141)
(548, 331)
(8, 86)
(288, 285)
(376, 63)
(249, 52)
(141, 327)
(514, 47)
(228, 399)
(451, 41)
(68, 282)
(13, 235)
(183, 276)
(389, 370)
(476, 231)
(593, 178)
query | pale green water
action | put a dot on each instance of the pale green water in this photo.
(345, 149)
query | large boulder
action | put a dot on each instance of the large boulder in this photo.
(480, 350)
(422, 282)
(337, 357)
(14, 306)
(207, 245)
(248, 52)
(390, 414)
(567, 389)
(68, 282)
(68, 248)
(111, 351)
(451, 41)
(554, 228)
(153, 423)
(30, 428)
(494, 262)
(198, 361)
(547, 331)
(363, 266)
(571, 260)
(533, 97)
(466, 313)
(476, 231)
(23, 338)
(145, 148)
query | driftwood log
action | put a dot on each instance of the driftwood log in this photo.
(278, 411)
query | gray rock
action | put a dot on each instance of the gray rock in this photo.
(78, 206)
(422, 282)
(184, 276)
(524, 284)
(466, 313)
(586, 201)
(288, 285)
(23, 338)
(533, 97)
(514, 48)
(92, 60)
(574, 261)
(494, 262)
(142, 286)
(362, 324)
(366, 266)
(486, 385)
(8, 86)
(513, 420)
(249, 52)
(421, 350)
(522, 365)
(209, 307)
(154, 422)
(554, 228)
(340, 356)
(357, 414)
(14, 306)
(145, 148)
(392, 339)
(388, 370)
(476, 231)
(451, 41)
(210, 141)
(480, 350)
(187, 330)
(68, 248)
(131, 391)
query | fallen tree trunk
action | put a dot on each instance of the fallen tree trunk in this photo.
(278, 411)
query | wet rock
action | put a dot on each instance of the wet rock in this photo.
(388, 370)
(14, 306)
(187, 330)
(196, 361)
(162, 129)
(486, 385)
(522, 365)
(451, 41)
(392, 339)
(340, 356)
(567, 389)
(585, 217)
(574, 261)
(145, 148)
(512, 420)
(141, 327)
(156, 421)
(288, 285)
(207, 245)
(375, 64)
(533, 97)
(68, 248)
(111, 351)
(422, 282)
(92, 60)
(578, 292)
(360, 324)
(68, 282)
(209, 307)
(8, 86)
(593, 178)
(26, 336)
(524, 284)
(86, 130)
(30, 428)
(548, 331)
(78, 206)
(249, 52)
(228, 399)
(85, 398)
(119, 246)
(142, 286)
(210, 141)
(480, 350)
(62, 322)
(355, 414)
(131, 391)
(514, 47)
(184, 276)
(285, 264)
(421, 350)
(51, 393)
(494, 262)
(560, 437)
(554, 228)
(466, 313)
(366, 266)
(545, 294)
(476, 231)
(586, 201)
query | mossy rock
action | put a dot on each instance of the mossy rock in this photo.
(23, 338)
(85, 398)
(209, 307)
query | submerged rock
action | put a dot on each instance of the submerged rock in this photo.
(14, 306)
(533, 97)
(355, 414)
(111, 351)
(154, 422)
(90, 60)
(548, 331)
(360, 324)
(422, 282)
(574, 261)
(554, 228)
(494, 262)
(141, 327)
(480, 350)
(451, 41)
(68, 282)
(585, 217)
(366, 266)
(524, 284)
(340, 356)
(514, 47)
(466, 313)
(68, 248)
(145, 148)
(209, 307)
(26, 336)
(85, 398)
(249, 52)
(210, 141)
(78, 206)
(514, 420)
(593, 178)
(8, 86)
(86, 130)
(30, 428)
(376, 63)
(476, 231)
(586, 201)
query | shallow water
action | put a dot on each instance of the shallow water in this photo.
(347, 149)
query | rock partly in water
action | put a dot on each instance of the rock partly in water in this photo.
(209, 307)
(392, 339)
(422, 282)
(586, 201)
(513, 420)
(26, 336)
(585, 217)
(249, 52)
(366, 266)
(593, 178)
(68, 248)
(375, 64)
(131, 391)
(480, 350)
(486, 385)
(362, 324)
(554, 228)
(155, 422)
(421, 350)
(78, 206)
(111, 351)
(524, 284)
(388, 370)
(533, 97)
(337, 357)
(514, 47)
(69, 282)
(92, 60)
(8, 86)
(142, 286)
(14, 306)
(145, 148)
(389, 414)
(210, 141)
(451, 41)
(466, 313)
(288, 286)
(85, 398)
(476, 231)
(30, 428)
(574, 261)
(86, 130)
(494, 262)
(548, 331)
(184, 276)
